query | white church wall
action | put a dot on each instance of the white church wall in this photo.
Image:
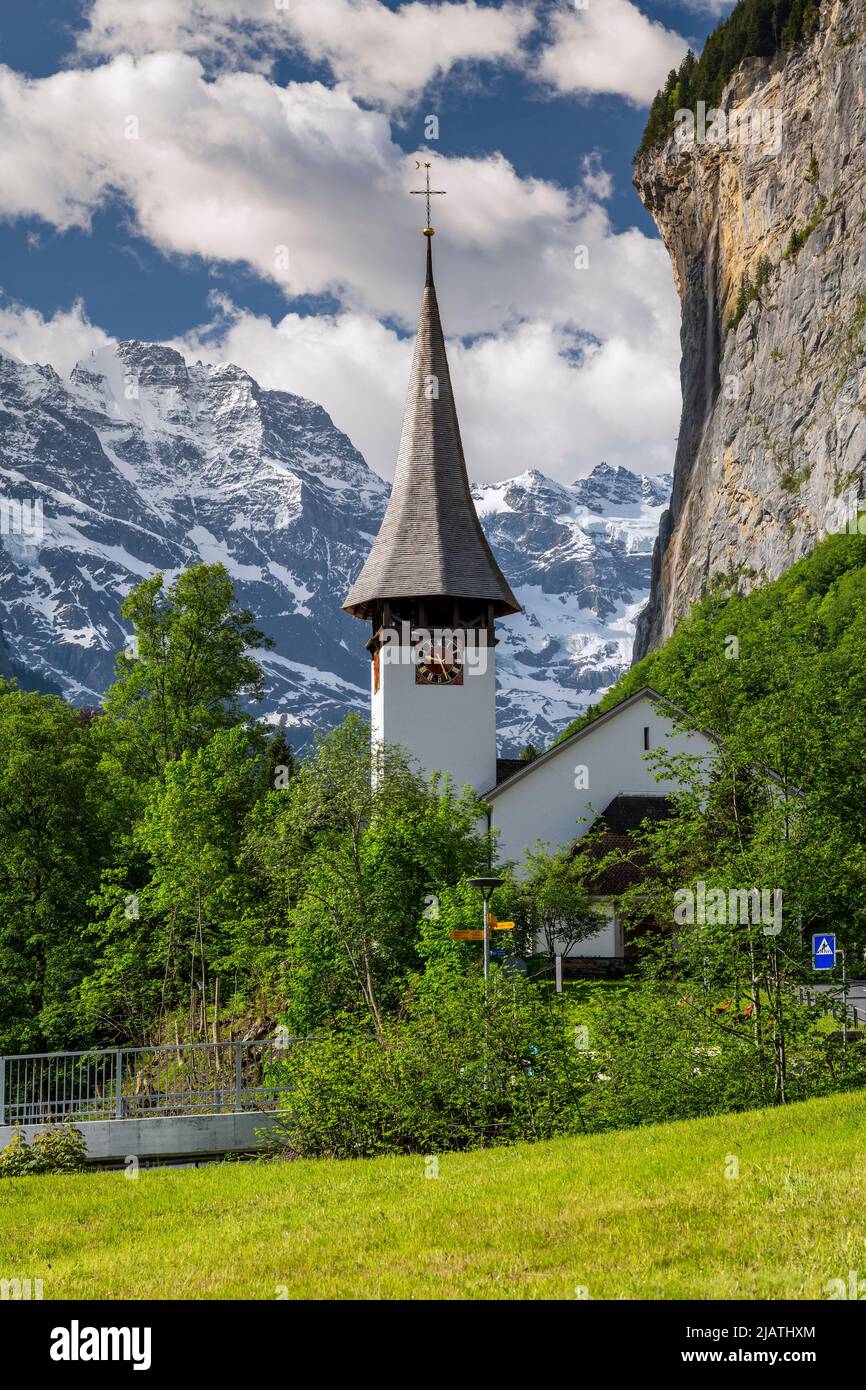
(447, 728)
(561, 794)
(606, 942)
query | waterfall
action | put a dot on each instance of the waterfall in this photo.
(711, 253)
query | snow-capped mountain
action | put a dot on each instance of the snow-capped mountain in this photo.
(578, 558)
(142, 462)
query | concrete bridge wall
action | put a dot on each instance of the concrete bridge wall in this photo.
(166, 1138)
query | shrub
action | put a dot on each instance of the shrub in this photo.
(660, 1051)
(18, 1158)
(60, 1149)
(452, 1073)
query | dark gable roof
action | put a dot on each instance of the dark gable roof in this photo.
(506, 767)
(615, 830)
(430, 544)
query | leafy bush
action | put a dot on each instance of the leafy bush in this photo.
(452, 1073)
(659, 1051)
(60, 1149)
(18, 1158)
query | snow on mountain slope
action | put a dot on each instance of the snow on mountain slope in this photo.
(578, 557)
(144, 463)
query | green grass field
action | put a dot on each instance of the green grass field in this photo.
(646, 1213)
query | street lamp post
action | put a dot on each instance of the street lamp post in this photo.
(486, 886)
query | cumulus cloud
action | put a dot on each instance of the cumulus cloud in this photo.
(610, 46)
(532, 396)
(595, 181)
(309, 190)
(561, 318)
(383, 56)
(61, 340)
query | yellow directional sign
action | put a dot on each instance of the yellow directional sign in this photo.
(492, 925)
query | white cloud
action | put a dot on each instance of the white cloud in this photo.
(714, 8)
(383, 56)
(239, 169)
(610, 46)
(527, 397)
(595, 181)
(61, 340)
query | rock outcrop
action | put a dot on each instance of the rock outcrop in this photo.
(767, 237)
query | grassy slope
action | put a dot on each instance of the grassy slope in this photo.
(645, 1213)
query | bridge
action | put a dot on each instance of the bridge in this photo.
(173, 1103)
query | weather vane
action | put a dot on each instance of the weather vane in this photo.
(427, 193)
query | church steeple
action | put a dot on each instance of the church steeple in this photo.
(431, 588)
(430, 545)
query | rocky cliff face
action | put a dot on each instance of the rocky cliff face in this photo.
(766, 230)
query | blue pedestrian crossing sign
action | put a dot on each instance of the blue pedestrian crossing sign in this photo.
(824, 950)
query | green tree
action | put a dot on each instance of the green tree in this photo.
(348, 868)
(551, 905)
(52, 837)
(163, 944)
(185, 674)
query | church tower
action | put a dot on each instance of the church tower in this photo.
(431, 587)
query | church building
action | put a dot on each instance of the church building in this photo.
(433, 592)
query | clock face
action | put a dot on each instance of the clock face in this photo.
(440, 666)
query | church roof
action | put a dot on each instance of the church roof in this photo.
(430, 544)
(615, 832)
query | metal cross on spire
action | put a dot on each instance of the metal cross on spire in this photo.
(427, 193)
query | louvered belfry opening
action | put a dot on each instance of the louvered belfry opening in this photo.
(430, 565)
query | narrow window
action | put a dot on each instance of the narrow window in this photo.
(646, 739)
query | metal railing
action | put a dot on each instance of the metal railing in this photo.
(126, 1083)
(830, 1001)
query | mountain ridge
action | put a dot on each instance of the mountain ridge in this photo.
(146, 462)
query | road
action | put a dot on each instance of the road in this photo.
(856, 995)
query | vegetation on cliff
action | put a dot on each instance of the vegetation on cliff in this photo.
(754, 29)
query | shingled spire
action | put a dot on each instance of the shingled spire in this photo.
(430, 544)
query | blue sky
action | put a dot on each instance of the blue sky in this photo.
(233, 178)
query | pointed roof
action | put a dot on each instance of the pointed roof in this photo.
(430, 544)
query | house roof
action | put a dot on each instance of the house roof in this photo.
(615, 830)
(430, 544)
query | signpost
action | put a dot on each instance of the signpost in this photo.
(486, 886)
(824, 951)
(825, 955)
